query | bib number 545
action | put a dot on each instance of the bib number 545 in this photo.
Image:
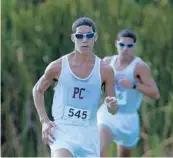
(77, 113)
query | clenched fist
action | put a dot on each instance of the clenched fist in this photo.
(126, 83)
(111, 103)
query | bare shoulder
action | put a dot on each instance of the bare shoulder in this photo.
(107, 59)
(106, 70)
(142, 66)
(105, 66)
(54, 68)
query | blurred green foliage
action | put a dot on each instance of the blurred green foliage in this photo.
(35, 32)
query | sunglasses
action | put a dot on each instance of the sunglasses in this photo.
(121, 44)
(81, 36)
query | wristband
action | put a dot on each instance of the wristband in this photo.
(134, 86)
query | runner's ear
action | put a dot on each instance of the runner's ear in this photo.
(72, 37)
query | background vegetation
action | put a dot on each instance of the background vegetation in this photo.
(35, 32)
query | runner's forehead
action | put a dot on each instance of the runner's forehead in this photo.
(84, 29)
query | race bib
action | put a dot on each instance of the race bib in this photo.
(121, 97)
(76, 116)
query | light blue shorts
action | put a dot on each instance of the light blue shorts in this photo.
(81, 141)
(124, 126)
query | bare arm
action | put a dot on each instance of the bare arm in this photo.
(52, 71)
(108, 79)
(147, 85)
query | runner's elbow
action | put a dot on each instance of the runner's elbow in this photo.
(35, 90)
(157, 95)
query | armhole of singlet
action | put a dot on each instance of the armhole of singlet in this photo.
(134, 66)
(61, 72)
(99, 68)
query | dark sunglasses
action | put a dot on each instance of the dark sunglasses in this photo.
(121, 44)
(81, 36)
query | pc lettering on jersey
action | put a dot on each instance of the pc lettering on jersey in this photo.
(78, 92)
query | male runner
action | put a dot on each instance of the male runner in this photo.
(133, 79)
(80, 75)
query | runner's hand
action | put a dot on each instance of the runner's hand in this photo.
(124, 82)
(111, 103)
(47, 135)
